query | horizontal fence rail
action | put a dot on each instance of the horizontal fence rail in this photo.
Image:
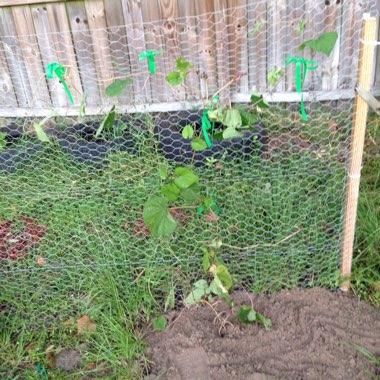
(98, 41)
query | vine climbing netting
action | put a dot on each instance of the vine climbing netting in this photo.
(128, 151)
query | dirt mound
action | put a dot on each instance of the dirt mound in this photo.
(313, 337)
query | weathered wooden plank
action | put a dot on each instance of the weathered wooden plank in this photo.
(314, 18)
(84, 51)
(295, 35)
(349, 43)
(277, 97)
(377, 62)
(56, 45)
(118, 45)
(257, 46)
(154, 41)
(206, 47)
(329, 65)
(7, 94)
(276, 36)
(189, 41)
(222, 49)
(101, 45)
(16, 64)
(31, 53)
(238, 44)
(5, 3)
(136, 40)
(170, 28)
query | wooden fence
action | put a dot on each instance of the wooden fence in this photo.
(102, 40)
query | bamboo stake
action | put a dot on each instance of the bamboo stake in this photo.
(365, 65)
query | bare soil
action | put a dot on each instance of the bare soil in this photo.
(313, 336)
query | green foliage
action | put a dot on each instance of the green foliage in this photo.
(171, 191)
(107, 122)
(300, 27)
(275, 75)
(184, 177)
(3, 141)
(182, 184)
(324, 44)
(157, 217)
(198, 144)
(248, 315)
(178, 76)
(38, 127)
(220, 284)
(188, 132)
(257, 100)
(160, 323)
(118, 87)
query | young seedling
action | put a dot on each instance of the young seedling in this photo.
(248, 315)
(219, 285)
(182, 185)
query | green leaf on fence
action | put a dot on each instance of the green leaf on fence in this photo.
(275, 75)
(198, 144)
(258, 100)
(184, 177)
(199, 290)
(183, 65)
(223, 276)
(174, 78)
(170, 191)
(41, 135)
(118, 87)
(206, 260)
(230, 133)
(190, 194)
(232, 119)
(163, 172)
(157, 217)
(108, 121)
(324, 44)
(188, 132)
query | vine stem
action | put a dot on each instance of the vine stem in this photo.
(247, 248)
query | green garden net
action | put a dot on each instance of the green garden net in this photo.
(206, 150)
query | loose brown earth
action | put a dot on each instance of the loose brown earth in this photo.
(313, 337)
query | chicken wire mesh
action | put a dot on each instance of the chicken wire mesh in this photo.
(71, 208)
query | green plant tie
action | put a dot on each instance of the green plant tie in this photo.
(206, 126)
(57, 69)
(150, 54)
(41, 371)
(302, 66)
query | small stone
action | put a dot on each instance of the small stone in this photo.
(68, 360)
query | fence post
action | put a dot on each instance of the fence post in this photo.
(365, 65)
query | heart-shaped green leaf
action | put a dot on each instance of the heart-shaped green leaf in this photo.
(324, 44)
(188, 132)
(198, 144)
(118, 87)
(184, 177)
(108, 121)
(157, 217)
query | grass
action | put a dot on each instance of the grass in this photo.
(366, 264)
(97, 266)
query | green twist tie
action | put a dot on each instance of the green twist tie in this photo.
(213, 205)
(150, 54)
(57, 69)
(302, 66)
(206, 126)
(41, 371)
